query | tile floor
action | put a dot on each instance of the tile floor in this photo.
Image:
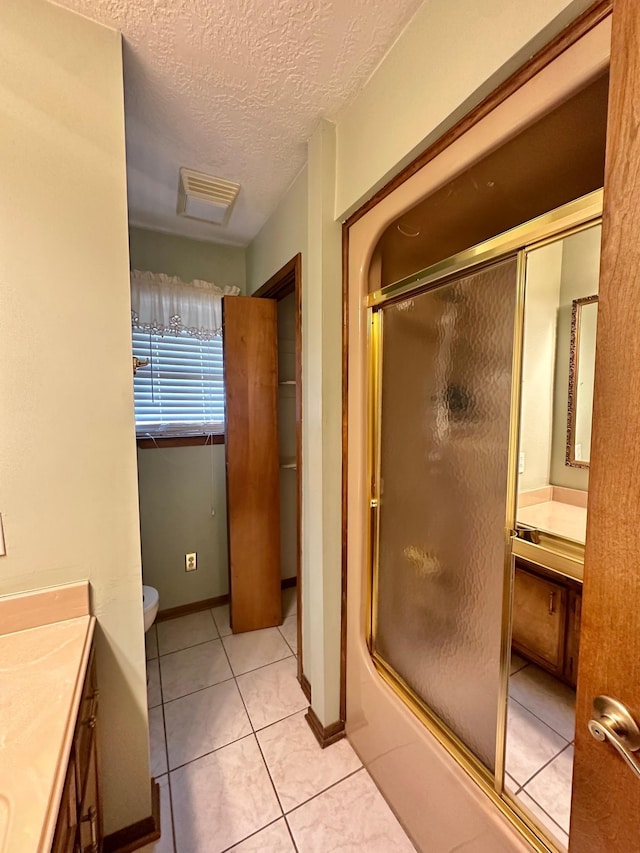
(540, 734)
(237, 764)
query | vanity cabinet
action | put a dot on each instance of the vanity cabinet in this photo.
(546, 619)
(79, 826)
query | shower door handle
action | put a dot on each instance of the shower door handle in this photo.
(613, 723)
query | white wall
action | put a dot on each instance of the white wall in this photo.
(281, 238)
(544, 267)
(183, 499)
(452, 54)
(68, 490)
(304, 222)
(322, 430)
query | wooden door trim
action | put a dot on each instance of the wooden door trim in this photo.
(288, 280)
(605, 813)
(583, 24)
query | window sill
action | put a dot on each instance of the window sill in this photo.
(177, 441)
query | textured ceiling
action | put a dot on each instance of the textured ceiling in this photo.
(234, 88)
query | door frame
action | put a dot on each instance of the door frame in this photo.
(288, 280)
(605, 806)
(384, 718)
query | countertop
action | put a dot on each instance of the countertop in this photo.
(42, 672)
(561, 519)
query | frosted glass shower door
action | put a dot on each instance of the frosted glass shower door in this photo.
(443, 448)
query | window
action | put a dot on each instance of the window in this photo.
(181, 391)
(177, 327)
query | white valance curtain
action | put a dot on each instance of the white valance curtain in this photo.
(166, 305)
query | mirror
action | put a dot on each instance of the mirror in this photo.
(582, 359)
(560, 317)
(557, 384)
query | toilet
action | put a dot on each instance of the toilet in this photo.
(150, 604)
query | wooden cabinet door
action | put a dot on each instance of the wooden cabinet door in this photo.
(90, 829)
(574, 612)
(64, 840)
(253, 470)
(539, 618)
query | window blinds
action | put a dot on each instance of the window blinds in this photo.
(181, 391)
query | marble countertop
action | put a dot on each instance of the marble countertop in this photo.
(42, 671)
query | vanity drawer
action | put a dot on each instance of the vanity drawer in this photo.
(90, 825)
(86, 725)
(66, 828)
(79, 824)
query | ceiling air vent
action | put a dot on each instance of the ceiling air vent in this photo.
(206, 198)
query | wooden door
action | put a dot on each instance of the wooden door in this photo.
(606, 794)
(253, 470)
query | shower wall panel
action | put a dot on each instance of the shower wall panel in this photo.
(445, 396)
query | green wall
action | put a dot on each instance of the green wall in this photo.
(182, 489)
(188, 259)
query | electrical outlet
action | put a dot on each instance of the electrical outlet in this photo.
(521, 463)
(190, 562)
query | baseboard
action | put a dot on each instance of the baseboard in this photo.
(207, 603)
(306, 687)
(192, 607)
(138, 834)
(325, 735)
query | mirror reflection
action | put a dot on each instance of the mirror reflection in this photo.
(558, 346)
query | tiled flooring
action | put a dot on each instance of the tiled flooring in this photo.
(540, 734)
(237, 764)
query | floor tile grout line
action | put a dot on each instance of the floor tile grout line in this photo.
(210, 752)
(525, 664)
(540, 769)
(324, 790)
(280, 720)
(166, 750)
(291, 836)
(184, 648)
(262, 665)
(253, 733)
(252, 835)
(264, 761)
(553, 820)
(199, 690)
(193, 646)
(287, 641)
(290, 831)
(548, 725)
(232, 677)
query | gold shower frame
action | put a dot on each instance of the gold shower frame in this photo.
(569, 219)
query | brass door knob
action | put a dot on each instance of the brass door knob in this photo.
(612, 722)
